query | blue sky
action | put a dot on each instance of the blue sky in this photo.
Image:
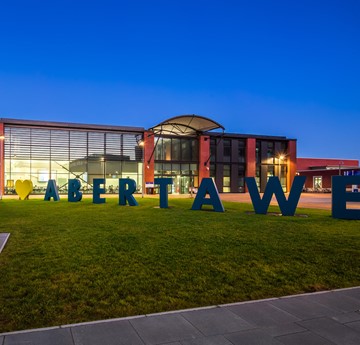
(263, 67)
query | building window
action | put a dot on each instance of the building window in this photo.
(270, 152)
(241, 151)
(257, 176)
(241, 179)
(175, 149)
(317, 182)
(185, 150)
(257, 152)
(226, 179)
(270, 171)
(227, 150)
(212, 170)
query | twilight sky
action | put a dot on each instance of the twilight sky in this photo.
(270, 67)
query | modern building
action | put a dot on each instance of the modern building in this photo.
(318, 171)
(186, 148)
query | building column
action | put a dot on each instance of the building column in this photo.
(149, 158)
(291, 163)
(204, 157)
(250, 159)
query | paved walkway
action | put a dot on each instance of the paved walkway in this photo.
(324, 318)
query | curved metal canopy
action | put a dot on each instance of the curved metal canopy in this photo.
(189, 125)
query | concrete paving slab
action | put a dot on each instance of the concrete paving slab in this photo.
(216, 321)
(263, 314)
(109, 333)
(302, 308)
(284, 329)
(354, 325)
(252, 337)
(54, 337)
(1, 340)
(164, 329)
(333, 331)
(347, 317)
(336, 301)
(212, 340)
(305, 338)
(353, 293)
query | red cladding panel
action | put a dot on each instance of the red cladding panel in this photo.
(204, 155)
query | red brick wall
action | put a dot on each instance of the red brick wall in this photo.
(305, 163)
(250, 158)
(148, 160)
(292, 163)
(326, 177)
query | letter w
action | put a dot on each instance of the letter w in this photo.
(287, 207)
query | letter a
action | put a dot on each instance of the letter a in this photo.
(208, 186)
(51, 191)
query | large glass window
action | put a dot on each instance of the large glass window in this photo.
(176, 149)
(271, 161)
(40, 154)
(177, 158)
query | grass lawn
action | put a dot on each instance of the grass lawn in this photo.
(73, 262)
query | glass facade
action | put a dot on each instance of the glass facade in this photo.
(228, 163)
(178, 158)
(39, 151)
(271, 160)
(40, 154)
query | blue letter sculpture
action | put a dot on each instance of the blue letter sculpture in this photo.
(51, 191)
(287, 207)
(97, 191)
(340, 196)
(127, 194)
(207, 186)
(74, 193)
(163, 182)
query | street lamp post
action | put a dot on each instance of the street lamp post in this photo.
(340, 164)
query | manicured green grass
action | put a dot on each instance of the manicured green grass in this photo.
(73, 262)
